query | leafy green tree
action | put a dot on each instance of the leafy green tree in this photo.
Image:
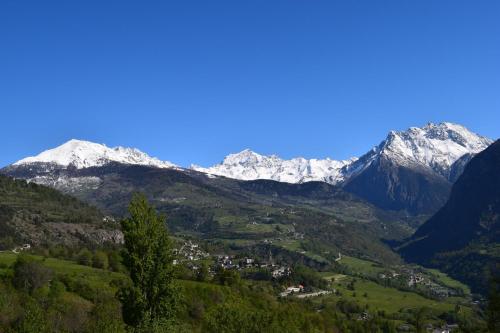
(203, 273)
(56, 289)
(420, 317)
(100, 260)
(33, 319)
(115, 261)
(227, 277)
(30, 275)
(149, 303)
(105, 317)
(85, 257)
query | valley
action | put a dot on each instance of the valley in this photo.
(347, 252)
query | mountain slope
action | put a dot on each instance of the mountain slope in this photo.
(413, 170)
(224, 209)
(389, 185)
(469, 223)
(410, 170)
(35, 214)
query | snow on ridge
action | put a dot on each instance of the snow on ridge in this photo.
(433, 146)
(249, 165)
(436, 146)
(84, 154)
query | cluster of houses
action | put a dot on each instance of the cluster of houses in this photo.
(229, 262)
(190, 251)
(293, 235)
(280, 271)
(226, 262)
(415, 279)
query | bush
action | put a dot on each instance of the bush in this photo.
(85, 257)
(33, 319)
(100, 260)
(227, 277)
(115, 262)
(30, 275)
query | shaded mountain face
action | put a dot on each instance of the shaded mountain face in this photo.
(468, 225)
(413, 170)
(392, 186)
(219, 208)
(35, 214)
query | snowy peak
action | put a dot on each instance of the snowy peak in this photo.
(247, 157)
(84, 154)
(436, 146)
(433, 147)
(249, 165)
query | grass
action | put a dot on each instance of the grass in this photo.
(362, 266)
(386, 298)
(389, 299)
(448, 281)
(94, 277)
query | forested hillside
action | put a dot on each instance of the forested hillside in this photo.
(36, 214)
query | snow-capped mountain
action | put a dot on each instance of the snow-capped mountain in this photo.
(248, 165)
(413, 170)
(83, 154)
(434, 146)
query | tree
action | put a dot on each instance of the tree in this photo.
(114, 260)
(105, 317)
(227, 277)
(100, 260)
(420, 316)
(85, 257)
(203, 273)
(33, 319)
(30, 275)
(149, 303)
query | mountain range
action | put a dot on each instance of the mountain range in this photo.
(410, 170)
(435, 147)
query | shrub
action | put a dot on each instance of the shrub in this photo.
(100, 260)
(85, 257)
(30, 275)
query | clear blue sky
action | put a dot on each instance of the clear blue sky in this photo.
(191, 81)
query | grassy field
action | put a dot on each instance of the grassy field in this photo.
(333, 277)
(448, 281)
(389, 299)
(384, 298)
(295, 246)
(96, 278)
(362, 266)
